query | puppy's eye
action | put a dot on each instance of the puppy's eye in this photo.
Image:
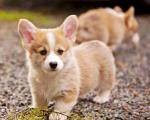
(60, 51)
(43, 52)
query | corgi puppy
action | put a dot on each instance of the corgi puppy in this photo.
(108, 25)
(61, 72)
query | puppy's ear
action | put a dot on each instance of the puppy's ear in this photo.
(129, 16)
(118, 9)
(70, 26)
(27, 30)
(130, 11)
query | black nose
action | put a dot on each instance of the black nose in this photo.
(53, 65)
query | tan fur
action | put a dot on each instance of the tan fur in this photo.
(107, 25)
(88, 66)
(98, 70)
(118, 9)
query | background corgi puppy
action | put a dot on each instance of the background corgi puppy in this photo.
(60, 72)
(108, 25)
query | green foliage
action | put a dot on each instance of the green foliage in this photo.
(38, 114)
(29, 114)
(15, 15)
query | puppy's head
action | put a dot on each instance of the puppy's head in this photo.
(48, 49)
(130, 22)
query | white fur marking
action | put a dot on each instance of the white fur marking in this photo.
(52, 57)
(51, 40)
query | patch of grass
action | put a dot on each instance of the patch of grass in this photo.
(29, 114)
(38, 114)
(15, 15)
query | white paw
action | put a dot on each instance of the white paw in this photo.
(57, 116)
(136, 39)
(101, 99)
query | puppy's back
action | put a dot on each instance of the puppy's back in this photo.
(101, 24)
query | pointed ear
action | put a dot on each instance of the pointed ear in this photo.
(130, 11)
(128, 16)
(70, 26)
(27, 30)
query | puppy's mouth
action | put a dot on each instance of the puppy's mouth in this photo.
(49, 71)
(53, 70)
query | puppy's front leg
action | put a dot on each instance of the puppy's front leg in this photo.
(39, 101)
(64, 105)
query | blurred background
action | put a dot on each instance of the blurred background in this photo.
(55, 10)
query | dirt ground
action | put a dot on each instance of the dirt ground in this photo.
(130, 99)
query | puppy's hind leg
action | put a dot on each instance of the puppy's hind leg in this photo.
(107, 80)
(107, 83)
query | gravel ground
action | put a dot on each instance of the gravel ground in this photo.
(130, 99)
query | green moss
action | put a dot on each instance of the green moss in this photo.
(29, 114)
(38, 114)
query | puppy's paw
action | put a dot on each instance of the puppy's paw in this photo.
(99, 99)
(57, 116)
(102, 98)
(136, 39)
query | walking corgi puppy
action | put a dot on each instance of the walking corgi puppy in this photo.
(108, 25)
(61, 72)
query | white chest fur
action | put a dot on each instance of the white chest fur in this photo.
(54, 84)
